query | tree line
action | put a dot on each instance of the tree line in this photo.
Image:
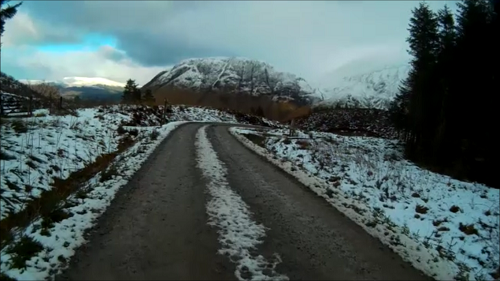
(133, 95)
(445, 109)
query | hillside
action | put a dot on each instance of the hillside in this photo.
(9, 84)
(233, 83)
(234, 75)
(369, 89)
(94, 92)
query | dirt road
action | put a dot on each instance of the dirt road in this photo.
(156, 228)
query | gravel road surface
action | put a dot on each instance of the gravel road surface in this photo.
(156, 227)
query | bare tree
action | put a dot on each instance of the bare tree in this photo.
(271, 80)
(322, 95)
(239, 68)
(251, 74)
(48, 91)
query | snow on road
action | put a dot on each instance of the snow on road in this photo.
(447, 228)
(238, 233)
(37, 149)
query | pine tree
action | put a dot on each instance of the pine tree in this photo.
(6, 13)
(445, 68)
(399, 110)
(148, 96)
(137, 95)
(130, 92)
(420, 85)
(446, 105)
(476, 42)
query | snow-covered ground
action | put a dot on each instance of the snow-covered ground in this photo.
(238, 233)
(35, 150)
(54, 246)
(447, 228)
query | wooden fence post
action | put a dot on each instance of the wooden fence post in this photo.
(164, 110)
(30, 107)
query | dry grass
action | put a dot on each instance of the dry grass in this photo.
(279, 111)
(257, 139)
(50, 201)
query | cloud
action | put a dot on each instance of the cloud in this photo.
(308, 38)
(106, 62)
(23, 30)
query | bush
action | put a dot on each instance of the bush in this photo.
(154, 135)
(19, 126)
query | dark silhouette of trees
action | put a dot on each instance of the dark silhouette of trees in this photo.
(445, 108)
(148, 96)
(131, 94)
(6, 13)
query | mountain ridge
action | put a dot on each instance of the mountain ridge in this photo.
(236, 75)
(368, 89)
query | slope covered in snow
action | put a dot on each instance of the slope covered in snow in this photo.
(234, 75)
(370, 89)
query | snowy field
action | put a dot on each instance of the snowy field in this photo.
(447, 228)
(38, 151)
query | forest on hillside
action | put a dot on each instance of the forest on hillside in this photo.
(446, 108)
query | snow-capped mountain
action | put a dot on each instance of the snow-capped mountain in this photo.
(78, 82)
(371, 89)
(234, 75)
(90, 88)
(91, 81)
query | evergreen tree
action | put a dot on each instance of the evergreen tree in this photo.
(445, 68)
(445, 107)
(6, 13)
(399, 110)
(137, 95)
(476, 41)
(148, 96)
(131, 92)
(420, 84)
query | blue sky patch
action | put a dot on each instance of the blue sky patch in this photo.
(90, 42)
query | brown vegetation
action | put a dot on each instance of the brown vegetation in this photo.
(349, 121)
(280, 111)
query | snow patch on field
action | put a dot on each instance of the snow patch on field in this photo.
(58, 243)
(37, 149)
(238, 233)
(447, 228)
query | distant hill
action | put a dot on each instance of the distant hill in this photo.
(234, 76)
(86, 88)
(365, 89)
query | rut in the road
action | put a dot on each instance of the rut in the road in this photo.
(314, 240)
(238, 233)
(156, 227)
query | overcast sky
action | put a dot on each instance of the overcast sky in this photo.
(137, 39)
